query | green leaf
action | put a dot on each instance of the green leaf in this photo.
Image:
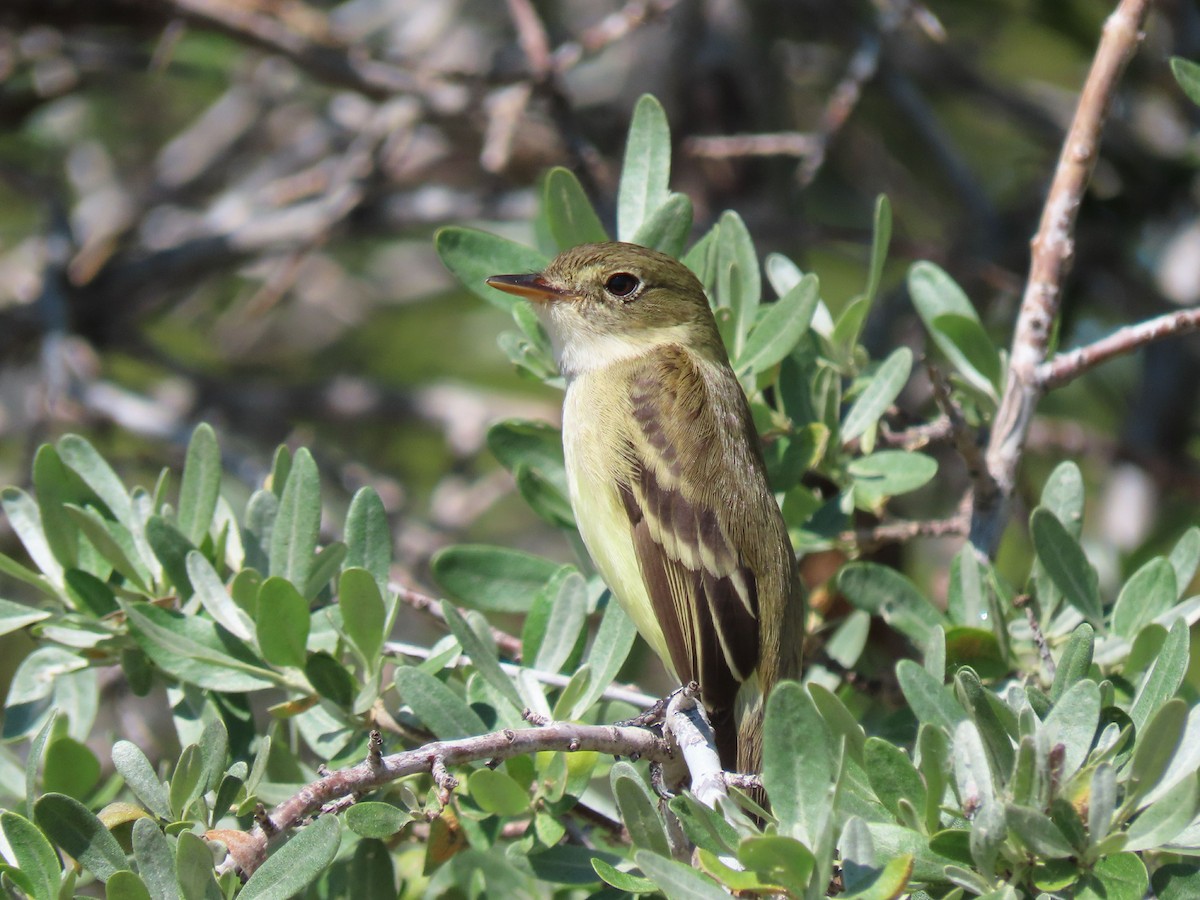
(1121, 876)
(927, 696)
(780, 860)
(194, 868)
(1187, 73)
(1161, 822)
(1179, 880)
(114, 543)
(883, 389)
(363, 613)
(172, 549)
(893, 775)
(705, 827)
(187, 781)
(155, 860)
(1185, 558)
(194, 650)
(14, 569)
(1075, 661)
(962, 339)
(440, 710)
(1066, 564)
(33, 760)
(126, 886)
(325, 566)
(376, 820)
(498, 793)
(74, 828)
(201, 484)
(1073, 722)
(330, 678)
(646, 168)
(537, 445)
(492, 579)
(614, 639)
(1156, 747)
(568, 616)
(1038, 832)
(15, 616)
(482, 653)
(56, 486)
(993, 719)
(622, 881)
(282, 622)
(884, 592)
(215, 598)
(26, 520)
(70, 768)
(368, 536)
(31, 693)
(33, 854)
(1164, 677)
(639, 810)
(544, 497)
(738, 284)
(799, 784)
(675, 880)
(474, 256)
(881, 237)
(131, 763)
(296, 864)
(1148, 593)
(298, 522)
(780, 327)
(668, 227)
(372, 874)
(84, 459)
(888, 473)
(569, 212)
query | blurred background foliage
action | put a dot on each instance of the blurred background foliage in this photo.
(222, 211)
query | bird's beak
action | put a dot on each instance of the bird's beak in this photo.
(531, 287)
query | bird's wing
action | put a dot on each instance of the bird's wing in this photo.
(682, 497)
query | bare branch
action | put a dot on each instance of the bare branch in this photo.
(308, 44)
(1066, 367)
(899, 532)
(789, 143)
(249, 853)
(1053, 250)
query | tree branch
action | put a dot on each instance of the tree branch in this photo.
(1066, 367)
(1052, 254)
(248, 850)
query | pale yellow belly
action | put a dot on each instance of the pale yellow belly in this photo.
(592, 450)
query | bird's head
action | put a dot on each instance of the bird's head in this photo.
(611, 301)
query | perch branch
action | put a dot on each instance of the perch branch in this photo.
(1052, 253)
(248, 851)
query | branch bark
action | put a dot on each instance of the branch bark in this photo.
(1052, 253)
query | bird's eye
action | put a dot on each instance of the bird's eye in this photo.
(622, 284)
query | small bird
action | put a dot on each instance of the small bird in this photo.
(667, 479)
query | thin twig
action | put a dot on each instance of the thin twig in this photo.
(318, 54)
(1068, 366)
(789, 143)
(249, 853)
(917, 436)
(1053, 250)
(508, 644)
(899, 532)
(609, 30)
(842, 102)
